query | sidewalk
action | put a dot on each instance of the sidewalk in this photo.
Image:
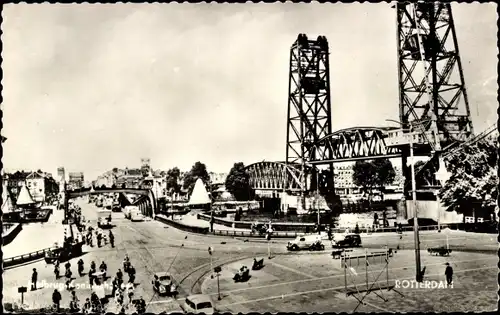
(37, 236)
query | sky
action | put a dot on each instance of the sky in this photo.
(92, 87)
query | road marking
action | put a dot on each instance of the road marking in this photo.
(333, 276)
(167, 301)
(323, 290)
(293, 270)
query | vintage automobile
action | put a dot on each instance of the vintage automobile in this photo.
(104, 218)
(242, 275)
(441, 251)
(349, 240)
(198, 304)
(63, 253)
(311, 242)
(257, 264)
(164, 284)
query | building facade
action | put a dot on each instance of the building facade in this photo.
(217, 178)
(76, 180)
(42, 186)
(345, 187)
(107, 180)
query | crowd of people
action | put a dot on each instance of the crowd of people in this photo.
(122, 292)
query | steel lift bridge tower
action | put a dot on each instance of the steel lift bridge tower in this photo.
(432, 95)
(309, 106)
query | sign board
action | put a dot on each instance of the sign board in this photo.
(22, 290)
(218, 269)
(400, 138)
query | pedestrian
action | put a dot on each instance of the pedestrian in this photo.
(87, 307)
(114, 284)
(384, 219)
(73, 305)
(56, 299)
(375, 220)
(56, 270)
(130, 291)
(68, 273)
(103, 268)
(131, 274)
(34, 278)
(119, 275)
(99, 239)
(111, 239)
(91, 277)
(449, 274)
(80, 267)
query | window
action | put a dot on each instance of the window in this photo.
(190, 304)
(204, 305)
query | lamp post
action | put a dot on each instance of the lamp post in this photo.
(414, 203)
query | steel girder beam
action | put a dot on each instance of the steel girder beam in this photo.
(309, 107)
(359, 143)
(271, 176)
(431, 80)
(142, 192)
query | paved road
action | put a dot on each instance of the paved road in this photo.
(154, 246)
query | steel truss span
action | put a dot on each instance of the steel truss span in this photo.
(359, 143)
(431, 79)
(271, 176)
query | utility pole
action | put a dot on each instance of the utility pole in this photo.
(317, 199)
(415, 216)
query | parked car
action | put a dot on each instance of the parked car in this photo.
(349, 240)
(311, 242)
(197, 304)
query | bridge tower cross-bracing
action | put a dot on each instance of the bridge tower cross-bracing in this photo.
(309, 107)
(432, 94)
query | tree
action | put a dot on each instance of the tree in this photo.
(426, 176)
(103, 186)
(173, 180)
(238, 182)
(115, 170)
(472, 186)
(373, 174)
(199, 170)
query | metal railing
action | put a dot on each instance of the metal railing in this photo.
(21, 259)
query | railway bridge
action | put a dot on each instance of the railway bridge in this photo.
(434, 113)
(147, 204)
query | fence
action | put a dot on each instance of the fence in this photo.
(182, 226)
(21, 259)
(277, 226)
(280, 234)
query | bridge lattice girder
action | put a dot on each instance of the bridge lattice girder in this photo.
(271, 176)
(142, 192)
(353, 144)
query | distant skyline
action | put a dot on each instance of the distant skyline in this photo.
(92, 87)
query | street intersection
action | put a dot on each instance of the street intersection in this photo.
(290, 281)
